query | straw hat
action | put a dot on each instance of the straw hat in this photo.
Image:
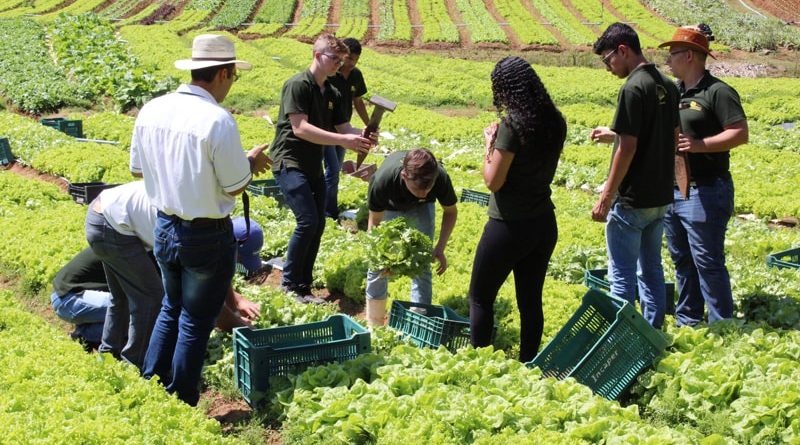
(211, 50)
(691, 38)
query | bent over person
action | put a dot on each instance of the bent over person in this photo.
(639, 184)
(187, 148)
(522, 153)
(407, 184)
(712, 123)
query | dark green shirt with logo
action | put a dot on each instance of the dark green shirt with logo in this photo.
(705, 110)
(647, 107)
(526, 192)
(302, 95)
(388, 192)
(350, 87)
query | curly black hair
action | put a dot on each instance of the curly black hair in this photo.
(523, 103)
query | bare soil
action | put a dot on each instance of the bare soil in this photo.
(786, 10)
(416, 22)
(455, 16)
(30, 172)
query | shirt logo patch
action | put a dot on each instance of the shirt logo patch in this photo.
(695, 106)
(353, 89)
(661, 93)
(330, 105)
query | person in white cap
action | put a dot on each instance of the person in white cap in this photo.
(188, 149)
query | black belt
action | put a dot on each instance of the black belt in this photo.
(197, 222)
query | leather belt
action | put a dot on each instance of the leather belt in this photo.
(197, 222)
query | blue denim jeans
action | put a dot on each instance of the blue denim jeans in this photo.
(333, 156)
(423, 217)
(695, 229)
(86, 310)
(135, 287)
(305, 196)
(633, 239)
(197, 265)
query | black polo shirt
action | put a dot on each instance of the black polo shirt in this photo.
(648, 109)
(705, 110)
(388, 192)
(526, 192)
(302, 95)
(350, 87)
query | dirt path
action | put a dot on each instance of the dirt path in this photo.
(562, 41)
(512, 36)
(416, 23)
(334, 16)
(374, 21)
(458, 21)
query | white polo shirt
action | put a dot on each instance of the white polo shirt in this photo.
(129, 211)
(189, 151)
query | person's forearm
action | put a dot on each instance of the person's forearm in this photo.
(728, 139)
(316, 135)
(374, 219)
(449, 218)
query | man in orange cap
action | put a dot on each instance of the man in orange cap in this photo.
(712, 123)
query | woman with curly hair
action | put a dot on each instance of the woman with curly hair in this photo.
(522, 152)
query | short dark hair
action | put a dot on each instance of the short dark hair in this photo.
(615, 35)
(420, 167)
(208, 74)
(353, 44)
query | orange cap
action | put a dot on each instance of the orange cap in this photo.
(690, 37)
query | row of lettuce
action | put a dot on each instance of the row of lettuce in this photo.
(543, 22)
(732, 383)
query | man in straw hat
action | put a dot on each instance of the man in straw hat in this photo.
(311, 117)
(187, 148)
(639, 185)
(712, 123)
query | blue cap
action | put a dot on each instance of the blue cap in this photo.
(248, 252)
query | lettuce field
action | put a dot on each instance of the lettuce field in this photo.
(734, 382)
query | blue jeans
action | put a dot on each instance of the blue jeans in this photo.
(305, 196)
(333, 156)
(86, 310)
(695, 229)
(422, 217)
(633, 238)
(197, 265)
(135, 289)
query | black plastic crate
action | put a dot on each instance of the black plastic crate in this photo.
(5, 152)
(480, 198)
(85, 192)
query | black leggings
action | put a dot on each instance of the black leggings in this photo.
(523, 247)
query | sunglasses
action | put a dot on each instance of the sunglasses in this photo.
(606, 59)
(339, 60)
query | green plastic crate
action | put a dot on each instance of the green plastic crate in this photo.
(5, 152)
(73, 128)
(266, 187)
(604, 346)
(263, 353)
(788, 259)
(480, 198)
(438, 325)
(598, 279)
